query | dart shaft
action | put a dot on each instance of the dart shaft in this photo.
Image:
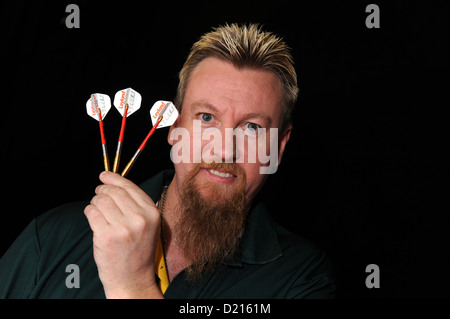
(102, 136)
(105, 151)
(119, 146)
(141, 147)
(122, 127)
(119, 143)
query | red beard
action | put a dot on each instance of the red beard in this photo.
(211, 226)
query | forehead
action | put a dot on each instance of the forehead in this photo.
(229, 89)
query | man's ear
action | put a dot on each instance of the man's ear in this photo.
(282, 142)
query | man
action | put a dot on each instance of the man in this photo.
(196, 232)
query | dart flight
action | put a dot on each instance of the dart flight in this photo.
(126, 101)
(97, 107)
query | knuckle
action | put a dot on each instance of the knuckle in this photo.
(116, 191)
(123, 233)
(107, 238)
(139, 222)
(154, 215)
(116, 236)
(102, 200)
(144, 220)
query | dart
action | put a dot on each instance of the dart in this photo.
(97, 107)
(162, 114)
(126, 101)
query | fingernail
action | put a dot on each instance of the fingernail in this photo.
(103, 174)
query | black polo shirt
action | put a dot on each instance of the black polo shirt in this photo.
(271, 263)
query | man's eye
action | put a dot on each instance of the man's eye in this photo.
(206, 117)
(252, 127)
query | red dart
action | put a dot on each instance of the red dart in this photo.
(141, 147)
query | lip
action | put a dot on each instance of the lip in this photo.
(218, 179)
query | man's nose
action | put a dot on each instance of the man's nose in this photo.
(228, 146)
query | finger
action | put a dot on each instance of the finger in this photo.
(141, 198)
(115, 179)
(120, 197)
(98, 189)
(96, 220)
(108, 208)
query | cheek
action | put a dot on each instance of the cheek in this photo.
(257, 149)
(255, 180)
(186, 144)
(183, 170)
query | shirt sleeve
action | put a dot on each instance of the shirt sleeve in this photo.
(18, 265)
(315, 283)
(320, 287)
(315, 278)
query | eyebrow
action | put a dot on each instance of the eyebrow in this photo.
(212, 108)
(266, 119)
(203, 104)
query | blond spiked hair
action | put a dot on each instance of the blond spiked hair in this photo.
(246, 46)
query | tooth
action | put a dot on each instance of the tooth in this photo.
(221, 174)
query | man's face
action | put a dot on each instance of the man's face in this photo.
(220, 96)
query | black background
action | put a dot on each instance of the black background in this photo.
(364, 176)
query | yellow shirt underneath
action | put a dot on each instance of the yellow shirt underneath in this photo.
(160, 267)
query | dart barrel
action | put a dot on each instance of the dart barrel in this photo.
(105, 158)
(117, 157)
(130, 163)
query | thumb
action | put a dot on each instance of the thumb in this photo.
(110, 178)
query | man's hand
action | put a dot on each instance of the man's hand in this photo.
(125, 222)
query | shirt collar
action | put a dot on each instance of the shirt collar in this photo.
(259, 243)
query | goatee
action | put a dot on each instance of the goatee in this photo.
(212, 219)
